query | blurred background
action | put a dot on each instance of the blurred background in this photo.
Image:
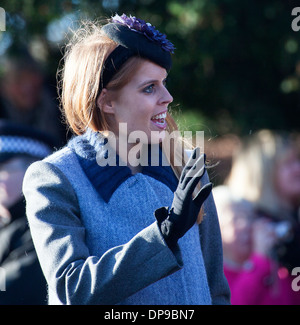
(236, 66)
(235, 76)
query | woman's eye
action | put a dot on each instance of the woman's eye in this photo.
(149, 89)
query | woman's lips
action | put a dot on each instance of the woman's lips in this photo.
(160, 120)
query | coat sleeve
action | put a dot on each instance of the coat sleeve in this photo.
(59, 236)
(211, 245)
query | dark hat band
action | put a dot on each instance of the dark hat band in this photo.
(114, 62)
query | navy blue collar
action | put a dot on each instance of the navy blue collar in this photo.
(106, 179)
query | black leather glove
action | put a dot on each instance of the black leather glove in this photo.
(174, 223)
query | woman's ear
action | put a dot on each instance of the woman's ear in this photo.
(104, 102)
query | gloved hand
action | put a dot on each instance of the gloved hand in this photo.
(174, 223)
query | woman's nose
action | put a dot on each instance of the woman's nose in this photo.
(166, 97)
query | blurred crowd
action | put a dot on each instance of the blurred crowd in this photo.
(259, 212)
(258, 201)
(30, 129)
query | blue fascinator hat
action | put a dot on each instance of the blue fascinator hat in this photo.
(134, 37)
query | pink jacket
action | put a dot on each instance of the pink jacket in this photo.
(261, 282)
